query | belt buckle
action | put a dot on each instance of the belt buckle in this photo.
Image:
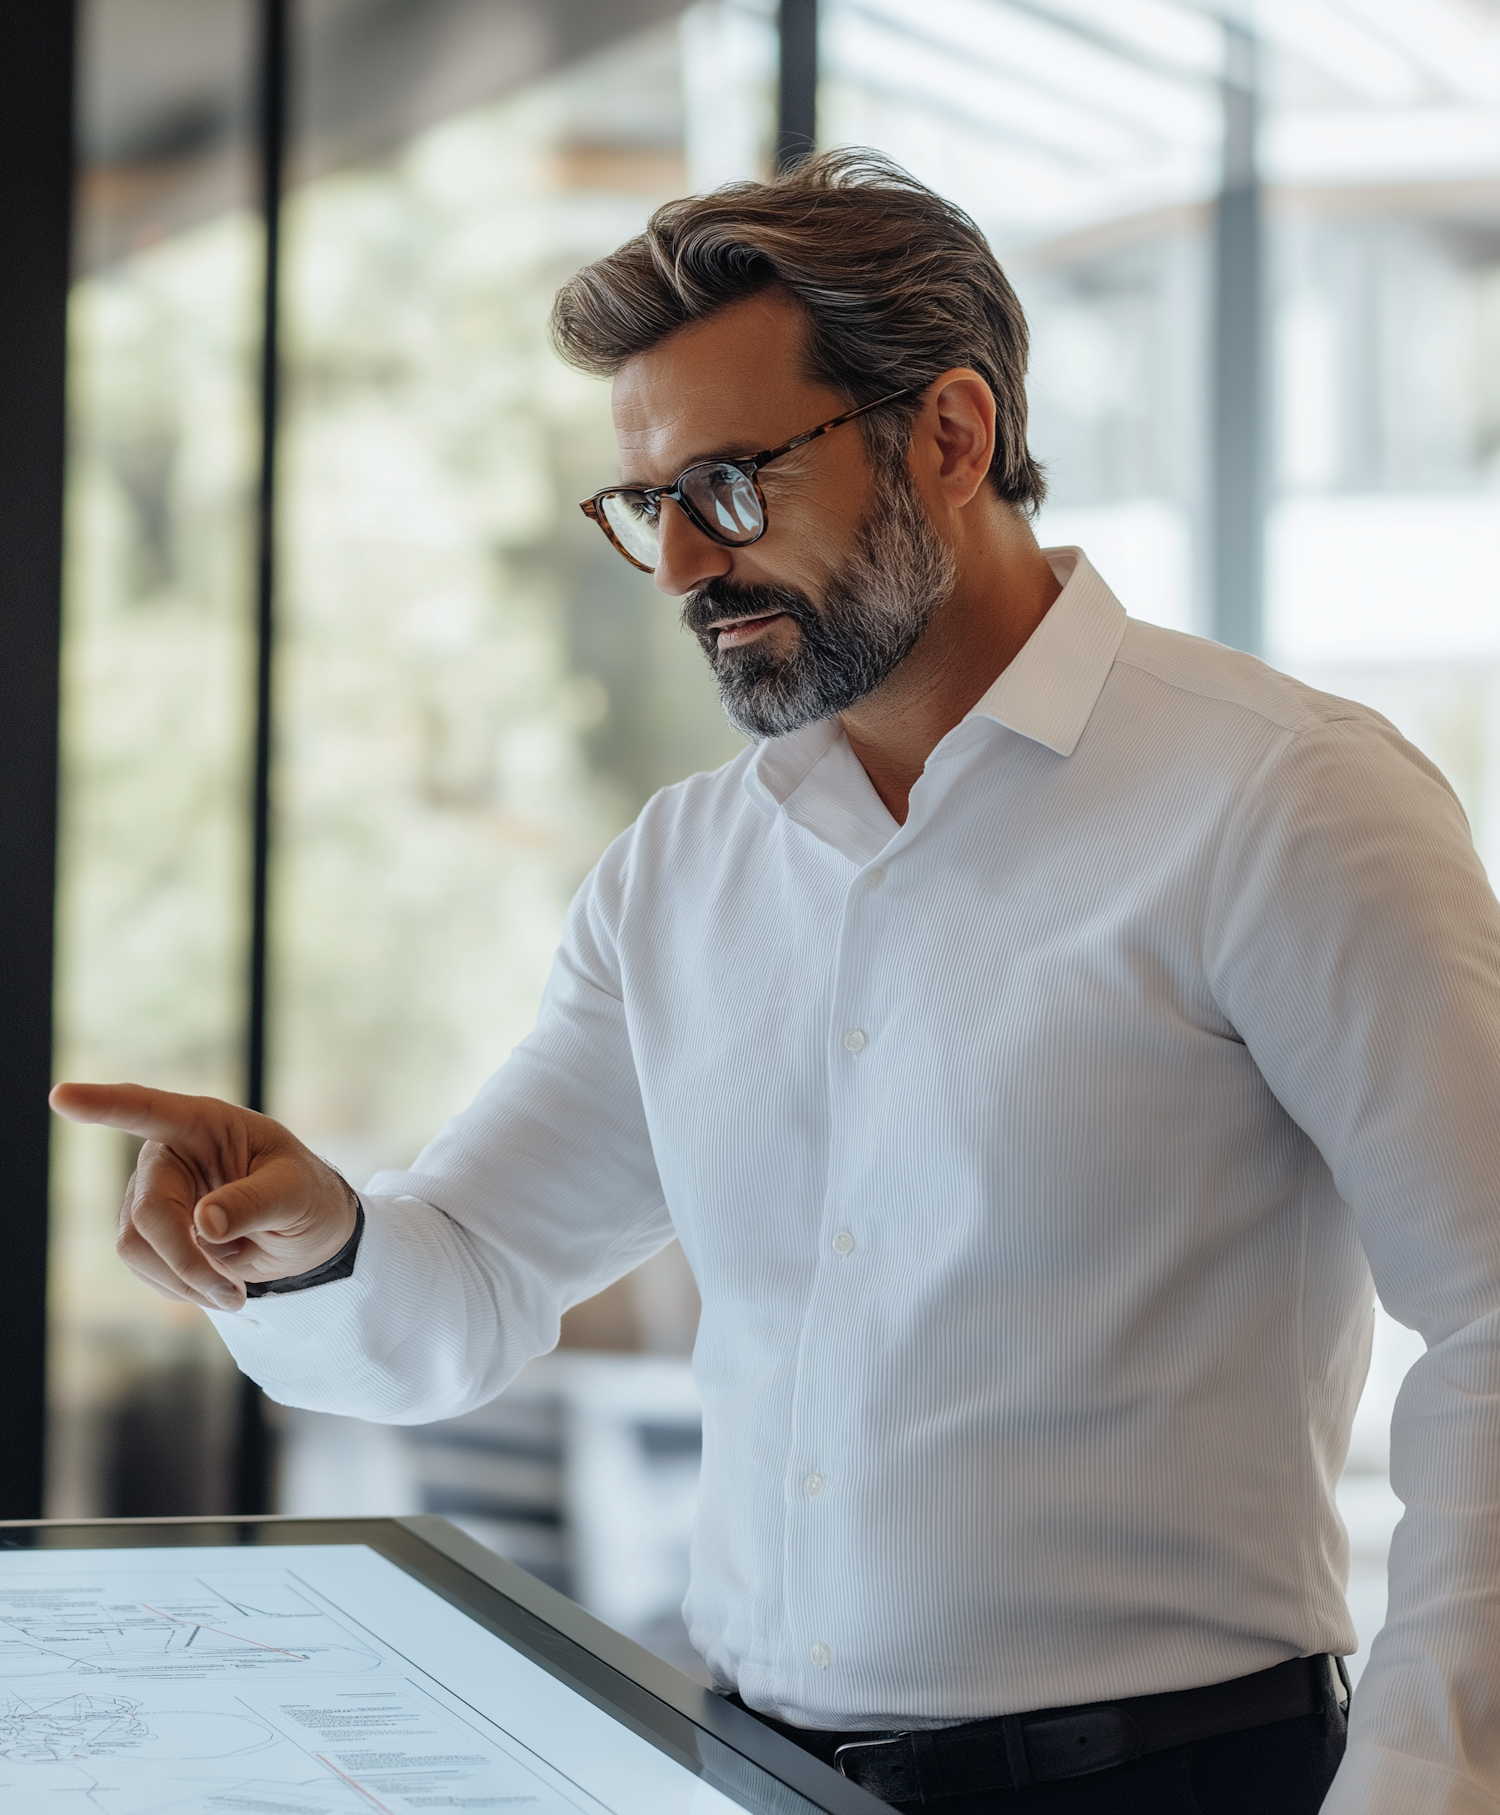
(886, 1767)
(862, 1745)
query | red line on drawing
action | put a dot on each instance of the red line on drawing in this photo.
(368, 1796)
(239, 1638)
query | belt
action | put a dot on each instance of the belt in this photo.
(1014, 1751)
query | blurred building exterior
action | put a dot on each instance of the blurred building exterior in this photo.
(474, 694)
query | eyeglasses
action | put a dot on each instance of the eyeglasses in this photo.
(722, 497)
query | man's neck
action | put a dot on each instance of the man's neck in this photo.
(1004, 589)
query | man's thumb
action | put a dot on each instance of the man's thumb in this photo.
(212, 1220)
(247, 1206)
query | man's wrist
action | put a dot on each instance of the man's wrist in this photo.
(340, 1266)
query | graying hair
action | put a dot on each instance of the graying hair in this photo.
(897, 283)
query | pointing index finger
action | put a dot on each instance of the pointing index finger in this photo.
(154, 1115)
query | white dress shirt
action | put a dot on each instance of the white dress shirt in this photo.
(1028, 1156)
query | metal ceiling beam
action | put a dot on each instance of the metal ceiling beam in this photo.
(1009, 72)
(797, 82)
(1113, 42)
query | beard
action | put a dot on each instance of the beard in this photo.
(875, 609)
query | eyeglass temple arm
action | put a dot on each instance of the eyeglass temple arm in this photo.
(756, 461)
(753, 463)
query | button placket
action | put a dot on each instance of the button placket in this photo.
(815, 1530)
(855, 1038)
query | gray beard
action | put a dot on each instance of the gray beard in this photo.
(875, 609)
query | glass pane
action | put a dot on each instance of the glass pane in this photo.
(1381, 538)
(475, 691)
(1085, 141)
(163, 445)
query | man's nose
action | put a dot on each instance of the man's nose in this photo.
(687, 557)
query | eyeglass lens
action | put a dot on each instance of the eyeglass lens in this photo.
(722, 496)
(633, 518)
(726, 499)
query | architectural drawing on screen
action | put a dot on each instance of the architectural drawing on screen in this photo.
(66, 1728)
(184, 1627)
(240, 1690)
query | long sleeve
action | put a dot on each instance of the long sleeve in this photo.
(538, 1195)
(1355, 947)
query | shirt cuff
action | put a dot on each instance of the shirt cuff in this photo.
(339, 1267)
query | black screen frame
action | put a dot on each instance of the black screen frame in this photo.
(740, 1756)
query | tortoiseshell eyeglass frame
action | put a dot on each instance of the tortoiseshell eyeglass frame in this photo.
(750, 467)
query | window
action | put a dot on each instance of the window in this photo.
(472, 694)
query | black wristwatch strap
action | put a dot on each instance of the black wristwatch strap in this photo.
(340, 1267)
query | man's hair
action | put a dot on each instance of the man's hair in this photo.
(897, 283)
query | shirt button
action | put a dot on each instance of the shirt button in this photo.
(843, 1242)
(821, 1655)
(813, 1485)
(874, 878)
(856, 1040)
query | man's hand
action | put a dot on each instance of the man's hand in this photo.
(219, 1195)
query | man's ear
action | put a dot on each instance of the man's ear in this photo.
(953, 437)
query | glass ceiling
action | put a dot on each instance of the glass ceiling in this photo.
(1044, 116)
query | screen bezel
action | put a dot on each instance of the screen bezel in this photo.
(700, 1730)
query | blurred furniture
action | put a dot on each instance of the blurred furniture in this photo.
(584, 1472)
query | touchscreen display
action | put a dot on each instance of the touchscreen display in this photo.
(299, 1680)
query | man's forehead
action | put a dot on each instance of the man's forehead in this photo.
(733, 383)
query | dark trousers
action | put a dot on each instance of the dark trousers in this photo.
(1283, 1769)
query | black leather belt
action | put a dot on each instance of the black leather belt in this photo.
(1014, 1751)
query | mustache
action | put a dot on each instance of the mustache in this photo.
(718, 599)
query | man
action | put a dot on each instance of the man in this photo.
(1029, 1037)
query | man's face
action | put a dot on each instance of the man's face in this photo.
(832, 598)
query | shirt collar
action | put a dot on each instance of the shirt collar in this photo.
(782, 764)
(1054, 683)
(1046, 694)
